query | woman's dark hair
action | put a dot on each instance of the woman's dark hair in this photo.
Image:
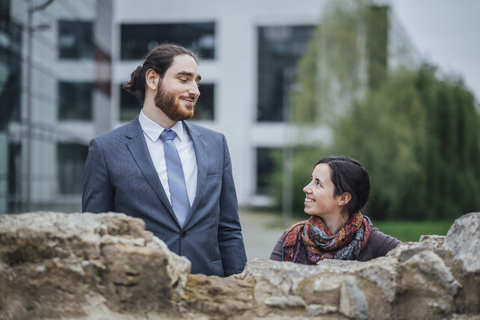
(159, 59)
(349, 175)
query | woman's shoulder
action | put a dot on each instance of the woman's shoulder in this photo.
(382, 240)
(378, 245)
(277, 249)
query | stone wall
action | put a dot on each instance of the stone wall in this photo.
(106, 266)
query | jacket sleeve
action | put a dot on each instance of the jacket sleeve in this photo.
(230, 240)
(97, 192)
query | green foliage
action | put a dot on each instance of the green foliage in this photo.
(417, 133)
(419, 137)
(347, 54)
(330, 67)
(412, 230)
(306, 95)
(377, 24)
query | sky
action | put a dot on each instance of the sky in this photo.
(447, 34)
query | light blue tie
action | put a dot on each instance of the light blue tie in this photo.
(176, 178)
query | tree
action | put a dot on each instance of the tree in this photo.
(416, 131)
(419, 137)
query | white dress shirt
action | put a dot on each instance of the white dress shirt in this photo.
(184, 144)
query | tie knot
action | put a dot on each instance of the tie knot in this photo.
(167, 134)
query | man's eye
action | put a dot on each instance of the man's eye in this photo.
(183, 80)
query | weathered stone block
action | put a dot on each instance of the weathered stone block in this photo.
(52, 264)
(463, 240)
(352, 301)
(106, 266)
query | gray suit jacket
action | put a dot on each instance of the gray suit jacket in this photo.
(120, 177)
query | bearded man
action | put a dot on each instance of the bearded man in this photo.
(175, 175)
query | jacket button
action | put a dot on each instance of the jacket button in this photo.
(184, 234)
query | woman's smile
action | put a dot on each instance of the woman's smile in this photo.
(320, 199)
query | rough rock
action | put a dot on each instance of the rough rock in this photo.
(462, 247)
(106, 266)
(463, 240)
(352, 302)
(71, 265)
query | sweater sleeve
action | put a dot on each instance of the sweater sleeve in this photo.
(378, 245)
(277, 250)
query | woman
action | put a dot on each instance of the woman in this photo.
(336, 229)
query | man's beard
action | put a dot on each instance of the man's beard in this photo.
(167, 102)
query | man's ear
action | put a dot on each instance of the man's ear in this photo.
(344, 198)
(151, 79)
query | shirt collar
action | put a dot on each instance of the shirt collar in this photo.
(153, 129)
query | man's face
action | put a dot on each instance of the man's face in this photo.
(178, 91)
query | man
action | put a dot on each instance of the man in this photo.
(181, 187)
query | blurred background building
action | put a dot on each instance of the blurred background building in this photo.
(63, 62)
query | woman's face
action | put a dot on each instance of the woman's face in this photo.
(320, 199)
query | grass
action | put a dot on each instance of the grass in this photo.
(403, 230)
(412, 230)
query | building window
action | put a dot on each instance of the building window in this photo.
(71, 163)
(75, 40)
(138, 39)
(14, 174)
(11, 62)
(129, 105)
(5, 16)
(204, 109)
(268, 161)
(279, 49)
(75, 100)
(205, 106)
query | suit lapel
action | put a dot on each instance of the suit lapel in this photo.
(202, 166)
(139, 150)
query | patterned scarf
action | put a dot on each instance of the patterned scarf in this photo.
(310, 241)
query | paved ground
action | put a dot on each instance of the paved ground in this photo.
(260, 233)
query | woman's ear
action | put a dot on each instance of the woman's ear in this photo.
(344, 198)
(151, 79)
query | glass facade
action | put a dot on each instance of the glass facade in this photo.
(138, 39)
(10, 106)
(75, 40)
(279, 49)
(268, 160)
(10, 66)
(130, 105)
(54, 97)
(205, 107)
(75, 100)
(14, 172)
(70, 164)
